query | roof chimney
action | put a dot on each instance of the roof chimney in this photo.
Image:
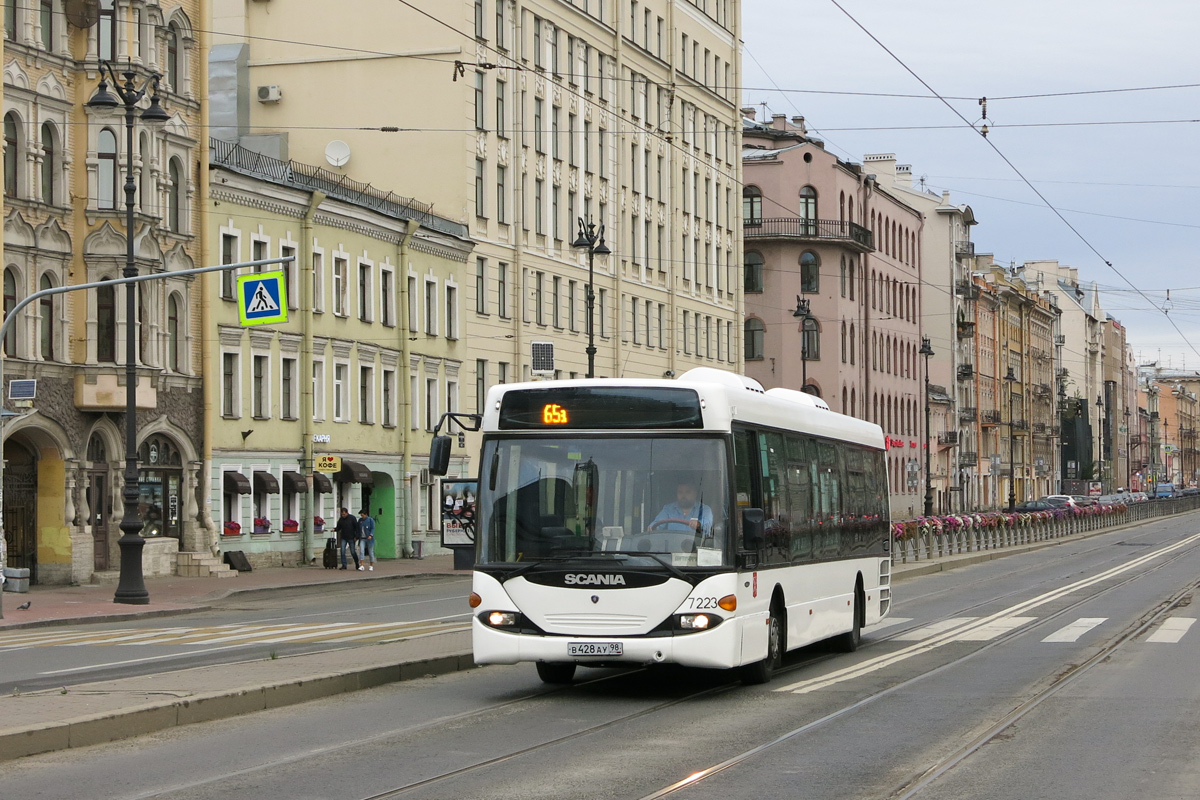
(798, 123)
(779, 122)
(748, 113)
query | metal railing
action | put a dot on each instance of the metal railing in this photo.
(990, 416)
(801, 228)
(948, 437)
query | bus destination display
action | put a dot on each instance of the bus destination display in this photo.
(602, 407)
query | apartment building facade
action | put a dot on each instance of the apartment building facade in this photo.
(64, 165)
(826, 233)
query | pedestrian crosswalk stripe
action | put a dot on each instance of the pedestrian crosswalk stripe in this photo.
(1171, 631)
(233, 635)
(985, 633)
(920, 634)
(1072, 632)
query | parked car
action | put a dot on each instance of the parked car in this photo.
(1188, 491)
(1164, 491)
(1059, 500)
(1083, 501)
(1035, 505)
(1139, 497)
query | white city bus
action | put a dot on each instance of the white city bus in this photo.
(701, 521)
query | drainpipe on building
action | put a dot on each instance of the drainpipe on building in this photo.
(307, 426)
(208, 286)
(406, 521)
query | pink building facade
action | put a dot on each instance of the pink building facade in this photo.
(832, 269)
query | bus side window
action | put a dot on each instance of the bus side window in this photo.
(743, 476)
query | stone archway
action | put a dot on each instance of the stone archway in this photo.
(39, 503)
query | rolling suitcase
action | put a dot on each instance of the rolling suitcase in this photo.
(329, 557)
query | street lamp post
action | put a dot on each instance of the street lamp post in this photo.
(1011, 379)
(132, 586)
(802, 313)
(927, 351)
(592, 239)
(1100, 440)
(1128, 455)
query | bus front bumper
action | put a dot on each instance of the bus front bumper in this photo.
(719, 648)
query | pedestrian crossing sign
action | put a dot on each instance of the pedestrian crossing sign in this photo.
(262, 298)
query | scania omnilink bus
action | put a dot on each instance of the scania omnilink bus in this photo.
(700, 521)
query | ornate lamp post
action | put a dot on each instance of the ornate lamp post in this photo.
(132, 586)
(927, 351)
(802, 313)
(592, 239)
(1011, 379)
(1100, 440)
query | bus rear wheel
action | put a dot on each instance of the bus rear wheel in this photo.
(556, 672)
(761, 671)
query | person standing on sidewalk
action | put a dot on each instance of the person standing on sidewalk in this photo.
(366, 535)
(347, 534)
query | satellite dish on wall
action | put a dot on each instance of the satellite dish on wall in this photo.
(82, 13)
(337, 153)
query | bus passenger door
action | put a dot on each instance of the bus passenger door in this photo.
(753, 608)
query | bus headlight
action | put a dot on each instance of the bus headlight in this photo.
(502, 619)
(695, 622)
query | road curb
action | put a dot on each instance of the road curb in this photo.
(86, 730)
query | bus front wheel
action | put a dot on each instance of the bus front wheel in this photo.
(761, 671)
(848, 642)
(555, 672)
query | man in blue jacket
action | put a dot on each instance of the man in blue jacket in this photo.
(366, 535)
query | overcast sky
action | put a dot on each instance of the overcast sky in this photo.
(1130, 190)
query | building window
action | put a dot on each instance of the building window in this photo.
(364, 292)
(318, 285)
(366, 394)
(341, 391)
(501, 92)
(556, 301)
(229, 249)
(479, 19)
(480, 384)
(502, 290)
(106, 322)
(810, 340)
(810, 272)
(318, 390)
(431, 403)
(46, 324)
(287, 388)
(808, 211)
(572, 325)
(229, 380)
(755, 333)
(479, 119)
(389, 398)
(539, 302)
(174, 219)
(174, 341)
(430, 308)
(451, 312)
(501, 210)
(107, 31)
(173, 58)
(339, 287)
(753, 272)
(751, 206)
(49, 164)
(413, 314)
(480, 208)
(11, 154)
(289, 276)
(262, 399)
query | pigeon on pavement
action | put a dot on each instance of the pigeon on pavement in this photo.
(24, 606)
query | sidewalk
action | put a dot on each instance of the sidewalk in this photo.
(83, 714)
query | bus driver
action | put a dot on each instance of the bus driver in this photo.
(686, 513)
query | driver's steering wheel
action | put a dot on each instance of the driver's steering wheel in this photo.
(660, 522)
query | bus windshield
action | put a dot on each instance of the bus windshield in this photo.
(643, 501)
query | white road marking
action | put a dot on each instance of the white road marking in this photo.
(994, 629)
(879, 662)
(889, 622)
(1072, 632)
(1172, 630)
(923, 633)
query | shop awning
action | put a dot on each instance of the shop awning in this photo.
(353, 472)
(265, 482)
(321, 483)
(236, 482)
(295, 482)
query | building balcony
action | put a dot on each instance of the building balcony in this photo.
(1041, 390)
(1039, 427)
(990, 416)
(966, 414)
(948, 437)
(1020, 425)
(966, 330)
(964, 249)
(968, 459)
(967, 290)
(966, 372)
(811, 230)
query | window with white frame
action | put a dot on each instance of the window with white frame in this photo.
(287, 388)
(413, 315)
(230, 388)
(289, 277)
(481, 299)
(431, 403)
(481, 369)
(414, 401)
(366, 394)
(261, 391)
(339, 286)
(451, 312)
(431, 321)
(318, 279)
(387, 297)
(364, 292)
(388, 401)
(318, 389)
(341, 392)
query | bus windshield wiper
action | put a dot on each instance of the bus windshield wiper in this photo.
(678, 573)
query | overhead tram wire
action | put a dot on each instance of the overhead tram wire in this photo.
(1014, 168)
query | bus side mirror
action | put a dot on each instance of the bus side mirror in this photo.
(439, 455)
(753, 528)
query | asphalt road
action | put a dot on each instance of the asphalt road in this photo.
(244, 626)
(1065, 672)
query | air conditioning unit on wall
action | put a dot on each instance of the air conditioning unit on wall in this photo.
(269, 94)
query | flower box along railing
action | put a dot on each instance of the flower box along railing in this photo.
(262, 525)
(927, 538)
